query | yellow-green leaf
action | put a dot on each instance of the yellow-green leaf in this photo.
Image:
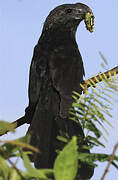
(65, 167)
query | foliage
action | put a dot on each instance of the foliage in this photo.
(8, 168)
(65, 166)
(90, 110)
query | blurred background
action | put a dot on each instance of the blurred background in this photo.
(21, 23)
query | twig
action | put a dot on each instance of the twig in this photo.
(100, 77)
(110, 161)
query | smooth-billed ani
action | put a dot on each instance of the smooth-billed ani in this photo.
(56, 70)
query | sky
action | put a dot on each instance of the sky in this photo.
(21, 23)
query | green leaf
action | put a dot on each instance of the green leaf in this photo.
(93, 157)
(65, 167)
(95, 140)
(22, 145)
(92, 127)
(76, 93)
(5, 127)
(14, 175)
(4, 168)
(10, 150)
(32, 172)
(63, 139)
(104, 59)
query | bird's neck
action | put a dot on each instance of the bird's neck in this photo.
(58, 35)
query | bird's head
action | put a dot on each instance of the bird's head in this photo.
(67, 16)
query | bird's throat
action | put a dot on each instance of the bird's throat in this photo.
(60, 34)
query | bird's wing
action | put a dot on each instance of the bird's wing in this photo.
(36, 77)
(43, 108)
(67, 71)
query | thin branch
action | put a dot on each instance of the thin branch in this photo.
(110, 161)
(93, 80)
(19, 122)
(100, 77)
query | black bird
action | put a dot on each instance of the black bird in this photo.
(56, 70)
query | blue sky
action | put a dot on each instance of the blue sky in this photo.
(21, 23)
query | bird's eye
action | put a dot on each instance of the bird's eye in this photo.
(80, 10)
(68, 10)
